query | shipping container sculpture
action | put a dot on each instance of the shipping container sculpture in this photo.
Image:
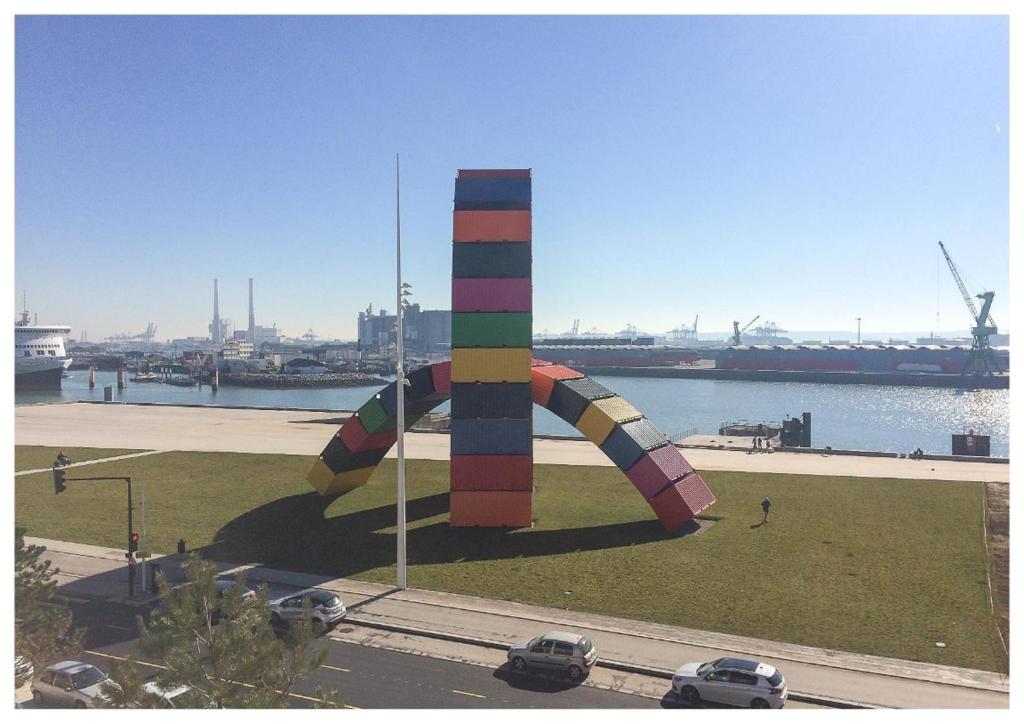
(493, 382)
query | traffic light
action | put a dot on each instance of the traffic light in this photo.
(58, 481)
(133, 542)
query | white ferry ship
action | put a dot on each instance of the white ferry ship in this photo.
(39, 355)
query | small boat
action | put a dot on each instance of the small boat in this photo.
(146, 377)
(181, 381)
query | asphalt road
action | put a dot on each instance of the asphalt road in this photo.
(374, 677)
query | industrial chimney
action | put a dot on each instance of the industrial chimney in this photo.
(215, 331)
(252, 317)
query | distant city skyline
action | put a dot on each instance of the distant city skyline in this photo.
(800, 168)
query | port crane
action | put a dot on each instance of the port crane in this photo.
(736, 331)
(682, 333)
(980, 360)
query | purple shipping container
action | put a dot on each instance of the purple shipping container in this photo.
(656, 469)
(492, 295)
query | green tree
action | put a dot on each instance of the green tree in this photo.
(222, 646)
(42, 626)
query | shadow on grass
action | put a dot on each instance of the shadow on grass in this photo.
(292, 533)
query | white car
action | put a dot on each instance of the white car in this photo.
(183, 697)
(739, 682)
(71, 683)
(324, 607)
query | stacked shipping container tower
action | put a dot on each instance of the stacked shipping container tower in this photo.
(492, 319)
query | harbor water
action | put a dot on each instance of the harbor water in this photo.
(856, 417)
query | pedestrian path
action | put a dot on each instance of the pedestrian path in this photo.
(144, 453)
(657, 649)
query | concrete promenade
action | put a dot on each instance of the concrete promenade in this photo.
(246, 430)
(626, 647)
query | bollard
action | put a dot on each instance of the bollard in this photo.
(92, 377)
(215, 379)
(181, 545)
(120, 378)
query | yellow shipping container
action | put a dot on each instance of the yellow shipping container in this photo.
(490, 364)
(327, 482)
(598, 420)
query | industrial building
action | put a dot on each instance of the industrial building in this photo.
(426, 331)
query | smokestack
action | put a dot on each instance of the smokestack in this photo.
(215, 331)
(252, 317)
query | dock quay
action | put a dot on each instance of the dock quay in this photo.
(902, 379)
(327, 379)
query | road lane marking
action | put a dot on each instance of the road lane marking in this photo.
(119, 628)
(240, 683)
(335, 668)
(468, 693)
(73, 599)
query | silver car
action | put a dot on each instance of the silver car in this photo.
(71, 683)
(739, 682)
(325, 607)
(572, 653)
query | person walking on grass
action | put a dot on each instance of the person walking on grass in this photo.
(766, 505)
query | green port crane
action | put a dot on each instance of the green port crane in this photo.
(980, 361)
(736, 331)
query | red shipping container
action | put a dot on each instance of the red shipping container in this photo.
(484, 226)
(544, 378)
(492, 472)
(656, 469)
(492, 295)
(494, 173)
(490, 509)
(442, 372)
(357, 439)
(679, 502)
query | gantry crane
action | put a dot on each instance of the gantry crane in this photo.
(980, 360)
(736, 331)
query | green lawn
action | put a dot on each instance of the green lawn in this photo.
(885, 567)
(34, 457)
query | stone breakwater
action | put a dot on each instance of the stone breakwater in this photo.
(329, 379)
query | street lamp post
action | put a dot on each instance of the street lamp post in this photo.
(400, 384)
(858, 330)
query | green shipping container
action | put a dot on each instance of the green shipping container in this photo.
(492, 329)
(374, 418)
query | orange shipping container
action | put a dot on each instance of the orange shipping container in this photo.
(491, 509)
(492, 226)
(544, 378)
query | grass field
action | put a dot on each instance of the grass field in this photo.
(33, 457)
(886, 567)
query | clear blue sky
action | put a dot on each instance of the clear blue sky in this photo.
(798, 168)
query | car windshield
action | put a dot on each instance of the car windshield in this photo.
(323, 598)
(87, 677)
(775, 679)
(708, 667)
(586, 646)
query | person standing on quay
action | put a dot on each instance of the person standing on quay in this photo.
(766, 505)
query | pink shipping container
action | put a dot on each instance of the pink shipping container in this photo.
(492, 295)
(492, 472)
(656, 469)
(678, 503)
(442, 372)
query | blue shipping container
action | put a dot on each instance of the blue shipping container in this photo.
(492, 194)
(491, 400)
(492, 437)
(628, 441)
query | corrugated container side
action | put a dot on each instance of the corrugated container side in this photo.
(595, 424)
(492, 295)
(657, 468)
(491, 400)
(492, 472)
(627, 442)
(491, 509)
(340, 459)
(492, 329)
(617, 409)
(374, 418)
(421, 383)
(492, 437)
(486, 226)
(680, 502)
(544, 378)
(494, 173)
(499, 260)
(492, 194)
(442, 374)
(646, 435)
(356, 438)
(329, 483)
(570, 398)
(488, 364)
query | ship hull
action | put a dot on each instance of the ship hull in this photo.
(48, 379)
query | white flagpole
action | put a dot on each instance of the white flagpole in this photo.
(401, 381)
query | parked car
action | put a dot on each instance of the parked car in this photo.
(325, 607)
(572, 653)
(739, 682)
(183, 697)
(71, 683)
(23, 670)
